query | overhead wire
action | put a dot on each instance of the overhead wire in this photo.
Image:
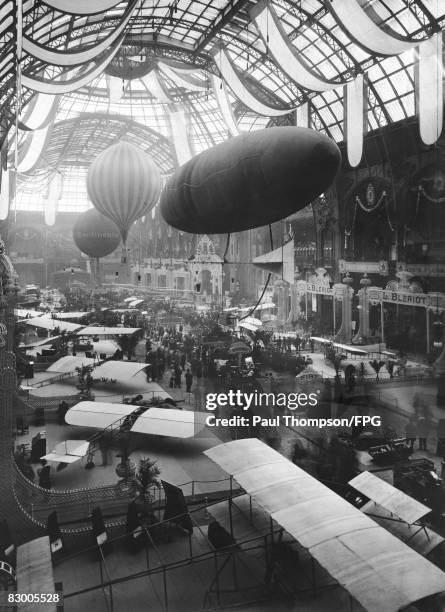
(266, 285)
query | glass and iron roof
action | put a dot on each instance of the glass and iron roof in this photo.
(183, 33)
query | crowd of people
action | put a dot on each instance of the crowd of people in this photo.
(192, 352)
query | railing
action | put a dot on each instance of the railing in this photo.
(257, 545)
(184, 554)
(74, 506)
(31, 402)
(127, 420)
(412, 375)
(54, 379)
(417, 377)
(191, 487)
(22, 407)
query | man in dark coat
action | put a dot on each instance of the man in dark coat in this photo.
(188, 380)
(44, 475)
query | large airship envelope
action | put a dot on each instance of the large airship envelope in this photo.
(251, 180)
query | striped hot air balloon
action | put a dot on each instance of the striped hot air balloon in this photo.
(123, 183)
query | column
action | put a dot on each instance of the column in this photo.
(428, 341)
(344, 293)
(439, 364)
(295, 302)
(281, 306)
(363, 309)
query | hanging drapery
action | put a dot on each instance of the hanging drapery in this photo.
(154, 86)
(181, 68)
(232, 79)
(71, 57)
(32, 149)
(82, 7)
(284, 54)
(40, 112)
(5, 193)
(54, 193)
(18, 79)
(19, 29)
(220, 91)
(361, 28)
(115, 88)
(429, 88)
(176, 77)
(355, 101)
(179, 135)
(10, 138)
(48, 86)
(302, 115)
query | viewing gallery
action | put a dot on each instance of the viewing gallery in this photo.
(222, 305)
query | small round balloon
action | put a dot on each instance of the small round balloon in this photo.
(95, 235)
(124, 184)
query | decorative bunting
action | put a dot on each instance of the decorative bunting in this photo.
(181, 68)
(32, 149)
(283, 52)
(40, 112)
(5, 193)
(73, 58)
(355, 102)
(176, 77)
(180, 137)
(154, 86)
(54, 193)
(361, 28)
(115, 88)
(87, 75)
(429, 88)
(232, 79)
(302, 115)
(19, 29)
(220, 92)
(82, 7)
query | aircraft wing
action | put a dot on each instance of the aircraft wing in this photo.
(97, 414)
(169, 422)
(68, 451)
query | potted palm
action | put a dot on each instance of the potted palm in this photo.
(145, 478)
(376, 366)
(126, 468)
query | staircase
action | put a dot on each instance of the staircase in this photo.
(121, 425)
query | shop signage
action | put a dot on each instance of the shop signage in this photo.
(434, 269)
(360, 267)
(303, 286)
(407, 299)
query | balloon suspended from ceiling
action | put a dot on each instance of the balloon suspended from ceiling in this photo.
(95, 235)
(251, 180)
(124, 184)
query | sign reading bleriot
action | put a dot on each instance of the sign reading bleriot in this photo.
(319, 289)
(315, 288)
(411, 299)
(407, 299)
